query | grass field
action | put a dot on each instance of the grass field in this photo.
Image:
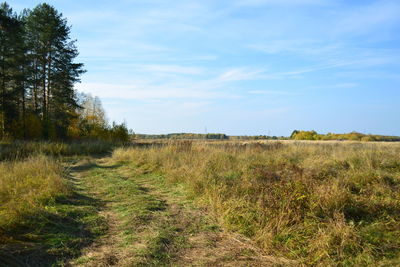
(43, 219)
(21, 150)
(335, 203)
(299, 203)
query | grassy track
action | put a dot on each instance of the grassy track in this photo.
(332, 204)
(317, 204)
(51, 228)
(153, 224)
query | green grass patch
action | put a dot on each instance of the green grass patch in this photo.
(53, 235)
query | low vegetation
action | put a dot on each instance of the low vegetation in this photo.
(21, 150)
(333, 203)
(43, 220)
(315, 203)
(153, 223)
(353, 136)
(296, 135)
(26, 187)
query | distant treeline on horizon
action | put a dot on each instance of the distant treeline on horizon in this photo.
(296, 135)
(353, 136)
(209, 136)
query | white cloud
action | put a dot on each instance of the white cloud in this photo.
(269, 92)
(175, 87)
(335, 86)
(126, 91)
(361, 63)
(257, 3)
(303, 47)
(240, 74)
(195, 105)
(173, 69)
(91, 17)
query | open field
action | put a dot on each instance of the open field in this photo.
(197, 203)
(325, 202)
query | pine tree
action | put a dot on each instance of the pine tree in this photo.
(12, 60)
(54, 72)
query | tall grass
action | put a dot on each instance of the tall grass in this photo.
(43, 220)
(26, 187)
(21, 150)
(321, 204)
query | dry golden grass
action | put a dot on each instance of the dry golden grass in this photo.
(45, 219)
(326, 203)
(22, 149)
(26, 187)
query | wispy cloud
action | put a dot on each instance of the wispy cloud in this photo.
(170, 60)
(257, 3)
(270, 92)
(303, 47)
(335, 86)
(195, 105)
(173, 69)
(316, 68)
(131, 91)
(240, 74)
(355, 64)
(175, 88)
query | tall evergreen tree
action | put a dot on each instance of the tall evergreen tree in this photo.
(11, 69)
(37, 77)
(54, 72)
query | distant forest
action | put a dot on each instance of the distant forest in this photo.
(353, 136)
(37, 76)
(296, 135)
(208, 136)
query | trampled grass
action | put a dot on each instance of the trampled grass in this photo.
(334, 203)
(152, 223)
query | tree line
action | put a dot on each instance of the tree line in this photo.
(213, 136)
(353, 136)
(37, 76)
(208, 136)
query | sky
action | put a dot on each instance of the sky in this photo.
(240, 67)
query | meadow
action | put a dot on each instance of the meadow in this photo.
(326, 203)
(22, 149)
(43, 219)
(316, 203)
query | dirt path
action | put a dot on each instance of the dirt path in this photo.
(152, 224)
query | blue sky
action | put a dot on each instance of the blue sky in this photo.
(241, 66)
